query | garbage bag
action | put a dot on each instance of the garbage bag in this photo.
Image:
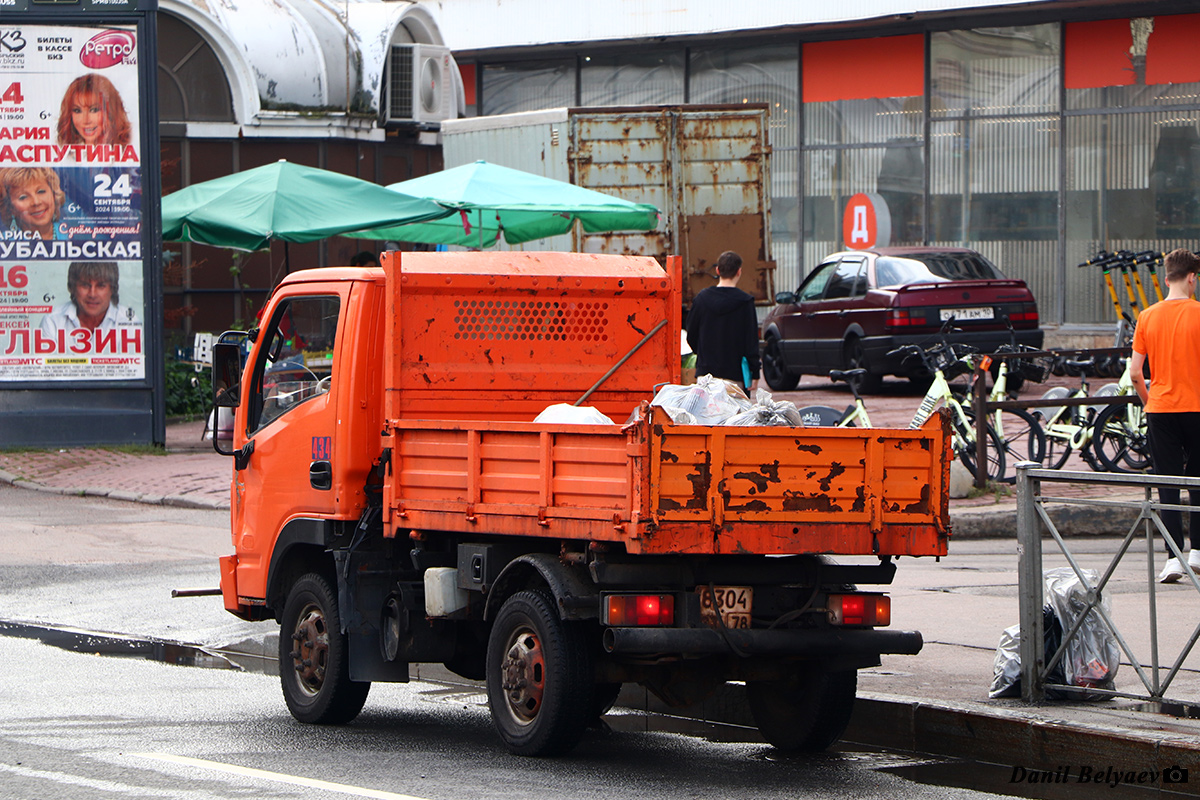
(1092, 655)
(1006, 669)
(1091, 658)
(573, 415)
(709, 401)
(767, 411)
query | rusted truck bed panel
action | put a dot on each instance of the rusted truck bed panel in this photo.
(661, 488)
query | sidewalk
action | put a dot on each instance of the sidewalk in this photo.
(935, 702)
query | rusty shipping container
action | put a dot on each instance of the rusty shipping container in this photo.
(705, 167)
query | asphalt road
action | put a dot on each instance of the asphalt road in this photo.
(82, 725)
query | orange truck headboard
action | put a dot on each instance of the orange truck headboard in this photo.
(483, 335)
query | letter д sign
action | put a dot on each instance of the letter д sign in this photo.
(866, 222)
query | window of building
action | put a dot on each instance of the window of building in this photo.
(995, 70)
(528, 86)
(191, 82)
(994, 151)
(654, 78)
(1140, 62)
(1132, 171)
(864, 132)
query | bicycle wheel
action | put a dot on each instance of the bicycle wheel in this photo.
(1058, 427)
(964, 445)
(1058, 448)
(1021, 435)
(1119, 439)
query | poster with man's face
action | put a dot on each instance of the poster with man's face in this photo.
(71, 270)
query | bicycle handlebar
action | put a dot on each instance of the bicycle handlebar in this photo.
(1102, 259)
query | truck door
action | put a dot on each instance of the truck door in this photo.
(290, 420)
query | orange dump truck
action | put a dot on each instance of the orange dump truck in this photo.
(393, 502)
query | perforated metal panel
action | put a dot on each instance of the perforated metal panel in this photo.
(531, 320)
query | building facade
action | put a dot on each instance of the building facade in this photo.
(1035, 133)
(354, 86)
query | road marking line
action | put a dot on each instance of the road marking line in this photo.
(98, 785)
(278, 777)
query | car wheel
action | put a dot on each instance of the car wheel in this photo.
(775, 370)
(855, 357)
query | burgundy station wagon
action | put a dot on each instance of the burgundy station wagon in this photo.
(858, 306)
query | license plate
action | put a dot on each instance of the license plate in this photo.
(732, 602)
(968, 313)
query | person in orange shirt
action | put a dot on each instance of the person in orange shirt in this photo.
(1168, 337)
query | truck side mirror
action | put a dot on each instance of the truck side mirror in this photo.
(227, 375)
(227, 378)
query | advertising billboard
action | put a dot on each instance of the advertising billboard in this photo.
(81, 324)
(72, 299)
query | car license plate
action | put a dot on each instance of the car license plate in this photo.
(732, 602)
(968, 313)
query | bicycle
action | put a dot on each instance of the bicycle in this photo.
(945, 361)
(1070, 428)
(1119, 438)
(1019, 431)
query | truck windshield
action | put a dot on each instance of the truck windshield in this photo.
(299, 356)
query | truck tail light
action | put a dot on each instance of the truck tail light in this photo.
(638, 610)
(872, 610)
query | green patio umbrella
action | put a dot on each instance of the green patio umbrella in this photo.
(490, 200)
(284, 202)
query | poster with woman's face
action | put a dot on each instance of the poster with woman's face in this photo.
(70, 204)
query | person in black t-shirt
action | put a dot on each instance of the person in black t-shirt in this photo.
(722, 327)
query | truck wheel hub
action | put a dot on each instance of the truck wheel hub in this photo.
(524, 676)
(311, 652)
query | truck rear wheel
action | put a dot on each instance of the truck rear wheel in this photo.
(314, 665)
(539, 677)
(807, 712)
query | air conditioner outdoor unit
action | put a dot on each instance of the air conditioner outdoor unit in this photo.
(420, 87)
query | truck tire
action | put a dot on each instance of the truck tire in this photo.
(539, 677)
(314, 665)
(805, 713)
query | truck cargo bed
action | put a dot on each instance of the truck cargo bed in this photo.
(662, 488)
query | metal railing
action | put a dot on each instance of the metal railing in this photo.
(1032, 515)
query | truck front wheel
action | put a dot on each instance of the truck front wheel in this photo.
(539, 677)
(807, 712)
(314, 666)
